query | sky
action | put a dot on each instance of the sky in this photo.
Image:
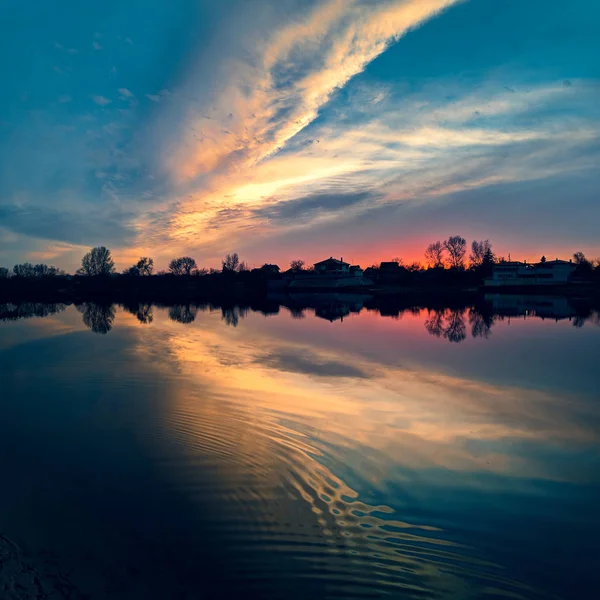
(284, 129)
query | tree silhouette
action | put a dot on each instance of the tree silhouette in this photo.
(98, 317)
(481, 325)
(232, 315)
(27, 270)
(13, 312)
(183, 313)
(435, 255)
(479, 250)
(4, 273)
(435, 323)
(231, 262)
(182, 266)
(97, 261)
(543, 259)
(23, 270)
(297, 265)
(457, 248)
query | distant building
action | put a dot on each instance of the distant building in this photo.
(332, 265)
(390, 272)
(270, 269)
(515, 273)
(330, 273)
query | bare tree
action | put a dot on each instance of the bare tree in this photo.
(579, 258)
(232, 263)
(97, 261)
(23, 270)
(435, 255)
(479, 250)
(297, 265)
(36, 271)
(182, 266)
(145, 265)
(457, 248)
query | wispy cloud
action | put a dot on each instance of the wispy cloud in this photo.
(101, 100)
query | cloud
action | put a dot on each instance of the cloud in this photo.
(96, 45)
(64, 99)
(404, 149)
(308, 207)
(304, 361)
(96, 224)
(125, 93)
(101, 100)
(279, 92)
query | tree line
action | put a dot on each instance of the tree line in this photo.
(448, 254)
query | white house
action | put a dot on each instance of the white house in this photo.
(514, 273)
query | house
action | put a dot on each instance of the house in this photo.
(271, 269)
(330, 273)
(516, 273)
(390, 272)
(332, 265)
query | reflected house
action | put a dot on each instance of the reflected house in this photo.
(520, 274)
(331, 306)
(331, 273)
(544, 307)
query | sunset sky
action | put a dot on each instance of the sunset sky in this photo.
(286, 129)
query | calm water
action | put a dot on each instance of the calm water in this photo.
(190, 452)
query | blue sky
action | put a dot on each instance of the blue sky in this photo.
(284, 129)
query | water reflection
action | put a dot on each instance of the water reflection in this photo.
(309, 459)
(183, 313)
(97, 317)
(26, 310)
(449, 323)
(141, 310)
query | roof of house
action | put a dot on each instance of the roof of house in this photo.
(332, 260)
(549, 263)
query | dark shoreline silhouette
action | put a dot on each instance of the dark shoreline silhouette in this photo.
(451, 317)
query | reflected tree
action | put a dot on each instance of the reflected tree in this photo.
(297, 313)
(141, 311)
(144, 314)
(97, 317)
(455, 330)
(481, 325)
(232, 315)
(183, 313)
(435, 323)
(26, 310)
(447, 324)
